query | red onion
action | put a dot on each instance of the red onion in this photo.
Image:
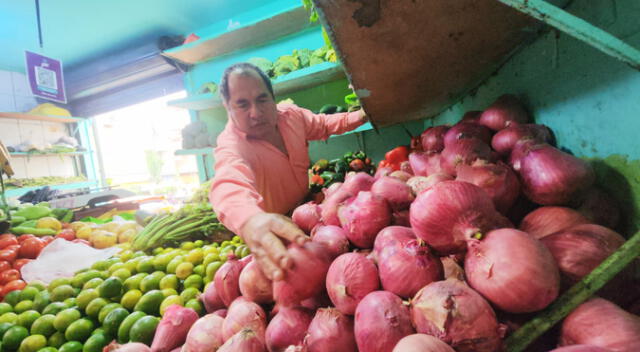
(383, 171)
(464, 151)
(471, 116)
(600, 208)
(581, 348)
(601, 323)
(401, 175)
(173, 328)
(381, 321)
(356, 182)
(254, 285)
(363, 217)
(306, 278)
(221, 313)
(329, 208)
(334, 238)
(400, 218)
(451, 268)
(504, 111)
(205, 334)
(504, 141)
(128, 347)
(432, 139)
(246, 341)
(421, 343)
(552, 177)
(404, 270)
(496, 265)
(350, 278)
(306, 216)
(425, 164)
(420, 183)
(547, 220)
(397, 193)
(392, 239)
(451, 212)
(581, 248)
(288, 327)
(244, 314)
(210, 299)
(456, 314)
(519, 151)
(318, 301)
(498, 180)
(467, 130)
(331, 331)
(226, 281)
(331, 189)
(405, 167)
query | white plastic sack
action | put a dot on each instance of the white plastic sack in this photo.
(62, 258)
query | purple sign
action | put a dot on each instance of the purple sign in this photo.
(45, 77)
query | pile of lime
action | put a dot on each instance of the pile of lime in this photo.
(121, 298)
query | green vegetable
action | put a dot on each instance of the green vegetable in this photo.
(34, 212)
(68, 216)
(303, 56)
(21, 230)
(16, 220)
(328, 109)
(285, 64)
(263, 64)
(29, 223)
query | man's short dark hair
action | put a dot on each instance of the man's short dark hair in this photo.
(240, 68)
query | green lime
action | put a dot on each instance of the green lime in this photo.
(106, 310)
(33, 343)
(28, 293)
(184, 270)
(13, 297)
(150, 302)
(48, 349)
(39, 285)
(138, 254)
(131, 265)
(130, 299)
(198, 243)
(23, 306)
(13, 337)
(157, 251)
(93, 283)
(70, 302)
(27, 318)
(44, 325)
(58, 282)
(113, 320)
(98, 331)
(161, 261)
(212, 268)
(150, 282)
(94, 307)
(56, 340)
(196, 305)
(133, 283)
(122, 274)
(95, 343)
(115, 267)
(79, 330)
(9, 317)
(41, 301)
(145, 265)
(169, 292)
(173, 264)
(85, 297)
(127, 323)
(144, 329)
(54, 308)
(111, 287)
(169, 281)
(61, 293)
(189, 294)
(243, 252)
(237, 239)
(210, 258)
(125, 255)
(71, 346)
(101, 265)
(195, 256)
(199, 270)
(4, 327)
(188, 245)
(194, 281)
(5, 308)
(171, 300)
(66, 318)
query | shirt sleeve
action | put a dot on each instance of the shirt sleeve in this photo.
(233, 193)
(321, 126)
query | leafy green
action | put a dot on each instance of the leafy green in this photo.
(263, 64)
(303, 56)
(285, 64)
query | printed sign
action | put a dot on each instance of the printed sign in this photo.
(45, 77)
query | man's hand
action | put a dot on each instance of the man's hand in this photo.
(263, 233)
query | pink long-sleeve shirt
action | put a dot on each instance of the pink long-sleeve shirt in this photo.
(253, 176)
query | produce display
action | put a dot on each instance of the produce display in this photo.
(323, 173)
(41, 181)
(299, 59)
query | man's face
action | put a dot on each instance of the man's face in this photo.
(250, 105)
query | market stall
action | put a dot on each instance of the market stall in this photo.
(492, 202)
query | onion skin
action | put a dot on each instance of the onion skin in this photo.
(581, 348)
(600, 208)
(420, 183)
(226, 281)
(401, 175)
(552, 177)
(221, 313)
(306, 216)
(456, 314)
(425, 164)
(421, 343)
(381, 320)
(452, 269)
(504, 141)
(547, 220)
(205, 334)
(173, 328)
(244, 314)
(329, 208)
(432, 139)
(471, 116)
(498, 180)
(254, 285)
(288, 327)
(306, 278)
(363, 217)
(355, 182)
(128, 347)
(601, 323)
(331, 189)
(392, 238)
(331, 331)
(467, 130)
(211, 300)
(334, 238)
(463, 152)
(245, 341)
(451, 212)
(382, 171)
(350, 278)
(506, 110)
(496, 265)
(397, 193)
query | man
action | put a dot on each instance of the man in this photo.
(261, 163)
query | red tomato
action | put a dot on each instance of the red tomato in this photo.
(47, 239)
(13, 247)
(8, 255)
(19, 263)
(12, 286)
(7, 240)
(9, 275)
(4, 265)
(77, 240)
(25, 237)
(31, 248)
(67, 234)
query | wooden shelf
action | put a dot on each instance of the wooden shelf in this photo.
(297, 80)
(200, 151)
(247, 35)
(28, 155)
(48, 118)
(17, 192)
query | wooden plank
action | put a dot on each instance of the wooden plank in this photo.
(49, 118)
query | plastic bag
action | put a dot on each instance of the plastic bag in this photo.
(62, 258)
